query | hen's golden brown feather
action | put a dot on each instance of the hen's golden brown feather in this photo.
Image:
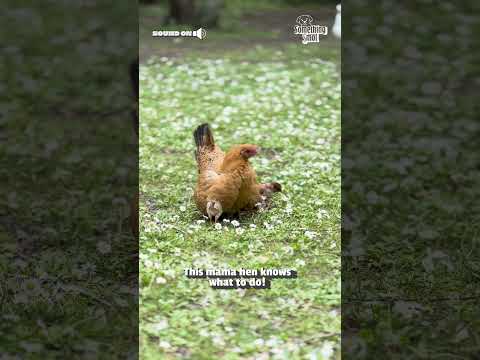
(227, 183)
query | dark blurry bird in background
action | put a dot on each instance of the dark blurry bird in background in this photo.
(135, 87)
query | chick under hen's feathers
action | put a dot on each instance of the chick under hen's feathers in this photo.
(227, 183)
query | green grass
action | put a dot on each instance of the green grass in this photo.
(65, 256)
(290, 106)
(411, 265)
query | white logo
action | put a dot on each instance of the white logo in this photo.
(200, 33)
(310, 33)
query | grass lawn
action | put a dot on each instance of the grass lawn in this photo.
(67, 275)
(287, 100)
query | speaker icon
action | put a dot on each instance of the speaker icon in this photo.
(200, 33)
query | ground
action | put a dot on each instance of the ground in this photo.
(285, 97)
(67, 274)
(410, 182)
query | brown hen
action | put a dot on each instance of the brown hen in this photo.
(227, 183)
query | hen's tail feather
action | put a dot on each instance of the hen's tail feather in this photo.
(203, 138)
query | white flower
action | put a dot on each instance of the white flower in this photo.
(218, 226)
(160, 280)
(372, 197)
(462, 334)
(104, 247)
(200, 222)
(253, 226)
(218, 340)
(321, 214)
(436, 257)
(235, 223)
(32, 286)
(268, 226)
(239, 231)
(273, 341)
(431, 88)
(226, 220)
(241, 292)
(160, 325)
(148, 263)
(310, 234)
(203, 333)
(300, 262)
(259, 342)
(428, 234)
(288, 250)
(164, 344)
(407, 308)
(327, 350)
(31, 347)
(170, 273)
(228, 329)
(333, 313)
(20, 298)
